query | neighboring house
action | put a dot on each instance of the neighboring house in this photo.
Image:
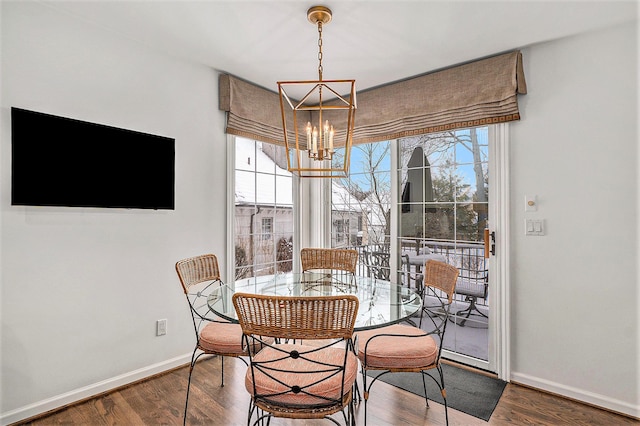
(348, 227)
(264, 208)
(264, 211)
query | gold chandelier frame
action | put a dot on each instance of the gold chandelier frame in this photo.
(314, 155)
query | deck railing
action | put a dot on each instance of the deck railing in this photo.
(468, 257)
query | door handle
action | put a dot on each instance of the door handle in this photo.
(489, 243)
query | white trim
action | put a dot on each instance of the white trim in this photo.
(393, 238)
(298, 236)
(499, 326)
(303, 211)
(231, 204)
(466, 360)
(326, 188)
(91, 390)
(313, 210)
(601, 401)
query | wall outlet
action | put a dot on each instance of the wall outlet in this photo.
(161, 327)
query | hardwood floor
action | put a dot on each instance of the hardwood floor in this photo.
(160, 401)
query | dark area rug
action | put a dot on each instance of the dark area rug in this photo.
(467, 391)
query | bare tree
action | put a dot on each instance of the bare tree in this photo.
(369, 191)
(441, 147)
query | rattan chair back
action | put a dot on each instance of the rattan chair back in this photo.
(198, 269)
(441, 276)
(321, 317)
(288, 378)
(321, 258)
(203, 270)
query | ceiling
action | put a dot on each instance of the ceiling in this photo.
(374, 42)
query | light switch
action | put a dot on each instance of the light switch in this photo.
(534, 227)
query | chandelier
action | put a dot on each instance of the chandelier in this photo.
(318, 117)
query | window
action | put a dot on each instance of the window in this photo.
(361, 202)
(341, 231)
(444, 185)
(263, 210)
(267, 228)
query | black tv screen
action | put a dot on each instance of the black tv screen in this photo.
(57, 161)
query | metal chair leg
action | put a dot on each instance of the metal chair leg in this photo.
(366, 394)
(424, 386)
(222, 371)
(443, 391)
(472, 307)
(194, 358)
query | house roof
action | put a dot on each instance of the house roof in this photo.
(258, 179)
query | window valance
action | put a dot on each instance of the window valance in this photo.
(473, 94)
(252, 111)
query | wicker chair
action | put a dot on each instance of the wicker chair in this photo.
(340, 262)
(213, 335)
(404, 348)
(296, 381)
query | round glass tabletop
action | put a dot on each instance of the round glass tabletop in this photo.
(381, 302)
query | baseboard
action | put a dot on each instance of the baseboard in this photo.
(75, 395)
(591, 398)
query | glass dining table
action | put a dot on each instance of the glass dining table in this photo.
(381, 302)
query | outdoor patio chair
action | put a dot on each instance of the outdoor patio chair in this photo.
(299, 381)
(340, 263)
(405, 348)
(214, 336)
(472, 289)
(378, 264)
(473, 284)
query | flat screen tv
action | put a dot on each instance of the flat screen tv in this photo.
(57, 161)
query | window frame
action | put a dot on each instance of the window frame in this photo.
(272, 236)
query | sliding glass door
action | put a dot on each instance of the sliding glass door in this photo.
(423, 197)
(443, 211)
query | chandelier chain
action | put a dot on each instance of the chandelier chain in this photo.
(320, 50)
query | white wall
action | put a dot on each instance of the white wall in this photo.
(83, 288)
(574, 291)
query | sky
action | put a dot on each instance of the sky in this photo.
(463, 156)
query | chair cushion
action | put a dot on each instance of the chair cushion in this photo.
(329, 388)
(222, 338)
(388, 352)
(473, 288)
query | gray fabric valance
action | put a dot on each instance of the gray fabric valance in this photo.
(252, 111)
(473, 94)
